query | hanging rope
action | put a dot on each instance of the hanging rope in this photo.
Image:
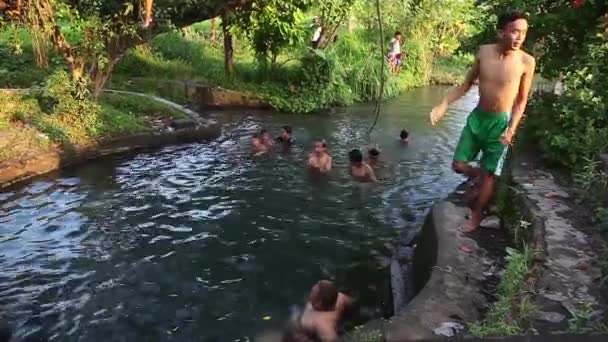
(381, 93)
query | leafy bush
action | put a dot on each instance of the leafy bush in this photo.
(573, 127)
(68, 103)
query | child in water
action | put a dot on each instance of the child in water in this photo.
(285, 138)
(257, 145)
(373, 156)
(319, 159)
(266, 138)
(359, 170)
(404, 136)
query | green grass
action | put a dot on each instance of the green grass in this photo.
(28, 127)
(512, 311)
(138, 106)
(450, 70)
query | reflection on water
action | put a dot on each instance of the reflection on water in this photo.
(202, 241)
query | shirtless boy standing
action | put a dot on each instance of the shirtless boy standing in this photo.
(505, 75)
(319, 159)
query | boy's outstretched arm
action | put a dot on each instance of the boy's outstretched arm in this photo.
(455, 93)
(521, 101)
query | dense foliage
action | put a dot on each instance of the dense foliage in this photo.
(92, 35)
(269, 41)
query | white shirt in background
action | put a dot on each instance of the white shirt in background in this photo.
(396, 46)
(317, 33)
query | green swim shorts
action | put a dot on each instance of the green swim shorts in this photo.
(482, 133)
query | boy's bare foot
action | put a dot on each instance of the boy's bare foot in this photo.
(147, 22)
(466, 249)
(472, 223)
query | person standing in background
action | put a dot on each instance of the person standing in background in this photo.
(394, 55)
(316, 33)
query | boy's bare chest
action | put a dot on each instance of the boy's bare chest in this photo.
(500, 71)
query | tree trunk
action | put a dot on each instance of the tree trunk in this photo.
(213, 29)
(228, 50)
(100, 77)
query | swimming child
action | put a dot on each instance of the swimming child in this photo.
(373, 156)
(404, 136)
(285, 138)
(319, 159)
(257, 145)
(266, 138)
(359, 170)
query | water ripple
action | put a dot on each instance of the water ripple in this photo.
(204, 239)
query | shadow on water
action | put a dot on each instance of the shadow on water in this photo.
(205, 240)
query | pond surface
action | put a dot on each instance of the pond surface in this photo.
(204, 242)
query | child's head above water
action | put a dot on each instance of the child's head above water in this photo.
(324, 296)
(404, 135)
(286, 131)
(355, 156)
(374, 153)
(320, 146)
(265, 135)
(256, 139)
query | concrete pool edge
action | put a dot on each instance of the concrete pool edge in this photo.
(448, 279)
(18, 171)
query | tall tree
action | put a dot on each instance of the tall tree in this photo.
(102, 31)
(228, 48)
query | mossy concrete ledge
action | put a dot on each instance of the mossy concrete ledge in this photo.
(452, 292)
(12, 172)
(447, 280)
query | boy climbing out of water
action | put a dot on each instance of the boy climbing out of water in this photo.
(505, 75)
(319, 159)
(358, 169)
(318, 322)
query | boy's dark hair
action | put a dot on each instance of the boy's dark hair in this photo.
(374, 152)
(263, 131)
(255, 135)
(404, 134)
(397, 33)
(322, 142)
(355, 156)
(287, 129)
(509, 17)
(328, 295)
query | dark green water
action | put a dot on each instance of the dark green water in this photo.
(203, 242)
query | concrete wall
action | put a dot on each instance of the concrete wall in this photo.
(22, 170)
